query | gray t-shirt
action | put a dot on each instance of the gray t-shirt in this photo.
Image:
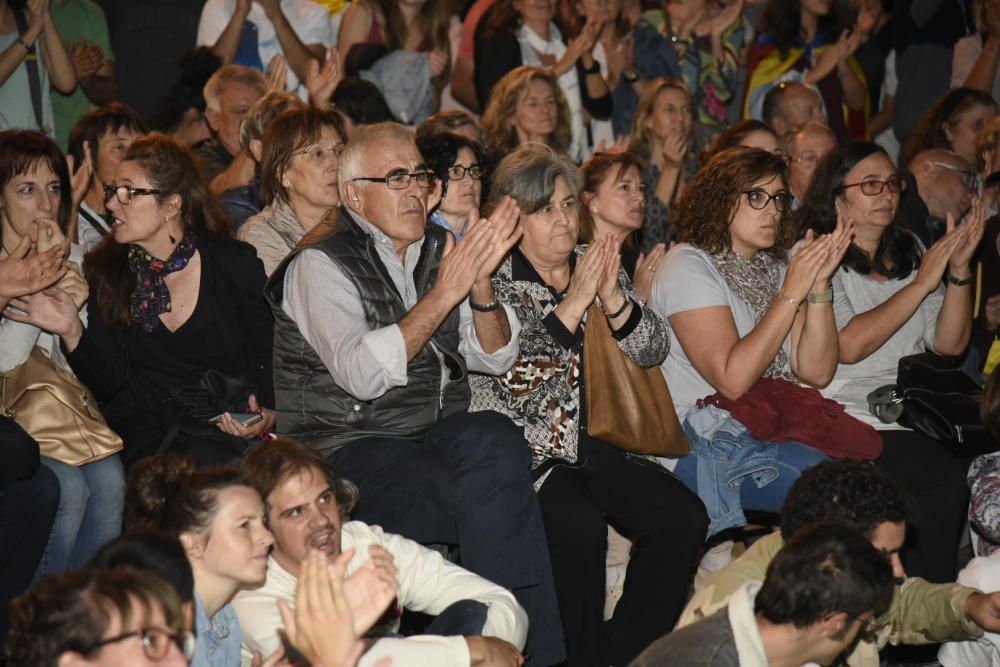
(686, 280)
(854, 293)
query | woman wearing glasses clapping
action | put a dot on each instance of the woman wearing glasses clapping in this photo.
(742, 309)
(889, 302)
(298, 181)
(173, 300)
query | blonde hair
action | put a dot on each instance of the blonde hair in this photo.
(641, 141)
(498, 119)
(987, 140)
(231, 74)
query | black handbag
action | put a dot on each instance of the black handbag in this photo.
(933, 396)
(194, 403)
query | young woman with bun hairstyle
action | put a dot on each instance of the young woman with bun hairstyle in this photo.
(220, 523)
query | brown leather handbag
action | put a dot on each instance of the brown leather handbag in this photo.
(627, 406)
(57, 411)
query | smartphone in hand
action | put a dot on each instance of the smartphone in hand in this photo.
(247, 419)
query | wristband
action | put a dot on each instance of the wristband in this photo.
(618, 312)
(484, 307)
(794, 302)
(958, 282)
(27, 47)
(821, 297)
(631, 77)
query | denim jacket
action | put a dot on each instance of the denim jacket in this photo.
(726, 455)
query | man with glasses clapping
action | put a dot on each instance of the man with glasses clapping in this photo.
(380, 318)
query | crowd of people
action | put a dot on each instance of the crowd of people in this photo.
(396, 333)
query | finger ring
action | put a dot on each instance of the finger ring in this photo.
(652, 269)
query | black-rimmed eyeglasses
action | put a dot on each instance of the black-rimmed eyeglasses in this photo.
(758, 199)
(401, 181)
(124, 193)
(155, 642)
(457, 172)
(874, 187)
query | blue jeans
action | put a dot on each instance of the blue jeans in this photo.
(91, 499)
(732, 471)
(468, 482)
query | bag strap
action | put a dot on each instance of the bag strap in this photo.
(175, 427)
(99, 225)
(34, 79)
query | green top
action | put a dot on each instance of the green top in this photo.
(921, 612)
(76, 19)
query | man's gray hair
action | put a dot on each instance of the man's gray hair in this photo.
(352, 159)
(230, 74)
(529, 176)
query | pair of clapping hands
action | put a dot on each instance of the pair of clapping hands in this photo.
(333, 609)
(36, 275)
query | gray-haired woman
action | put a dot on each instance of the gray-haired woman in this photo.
(585, 483)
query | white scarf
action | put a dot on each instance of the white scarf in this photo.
(531, 45)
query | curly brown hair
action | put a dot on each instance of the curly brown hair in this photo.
(498, 119)
(706, 208)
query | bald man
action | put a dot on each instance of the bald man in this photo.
(945, 183)
(805, 149)
(790, 105)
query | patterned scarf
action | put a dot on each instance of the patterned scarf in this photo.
(151, 296)
(757, 282)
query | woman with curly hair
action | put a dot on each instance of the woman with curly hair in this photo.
(953, 124)
(742, 310)
(527, 106)
(662, 136)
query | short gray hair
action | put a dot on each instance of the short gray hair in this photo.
(528, 176)
(263, 111)
(230, 74)
(352, 159)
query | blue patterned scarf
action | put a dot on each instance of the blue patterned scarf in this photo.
(151, 297)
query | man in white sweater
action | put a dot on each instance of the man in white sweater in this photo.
(306, 504)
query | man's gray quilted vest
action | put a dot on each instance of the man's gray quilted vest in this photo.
(311, 407)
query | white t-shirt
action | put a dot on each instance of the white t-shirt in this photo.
(854, 294)
(686, 280)
(984, 574)
(310, 21)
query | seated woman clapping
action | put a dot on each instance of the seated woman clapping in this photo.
(889, 302)
(585, 483)
(173, 298)
(35, 208)
(740, 311)
(298, 181)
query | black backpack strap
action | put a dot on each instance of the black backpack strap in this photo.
(34, 78)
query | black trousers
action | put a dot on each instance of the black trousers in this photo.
(468, 482)
(667, 524)
(27, 509)
(938, 498)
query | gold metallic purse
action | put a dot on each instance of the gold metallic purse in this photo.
(57, 411)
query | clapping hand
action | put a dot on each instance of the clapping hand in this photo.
(87, 58)
(81, 176)
(721, 21)
(609, 289)
(806, 264)
(620, 145)
(322, 627)
(645, 270)
(23, 273)
(322, 80)
(438, 61)
(277, 74)
(587, 276)
(972, 227)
